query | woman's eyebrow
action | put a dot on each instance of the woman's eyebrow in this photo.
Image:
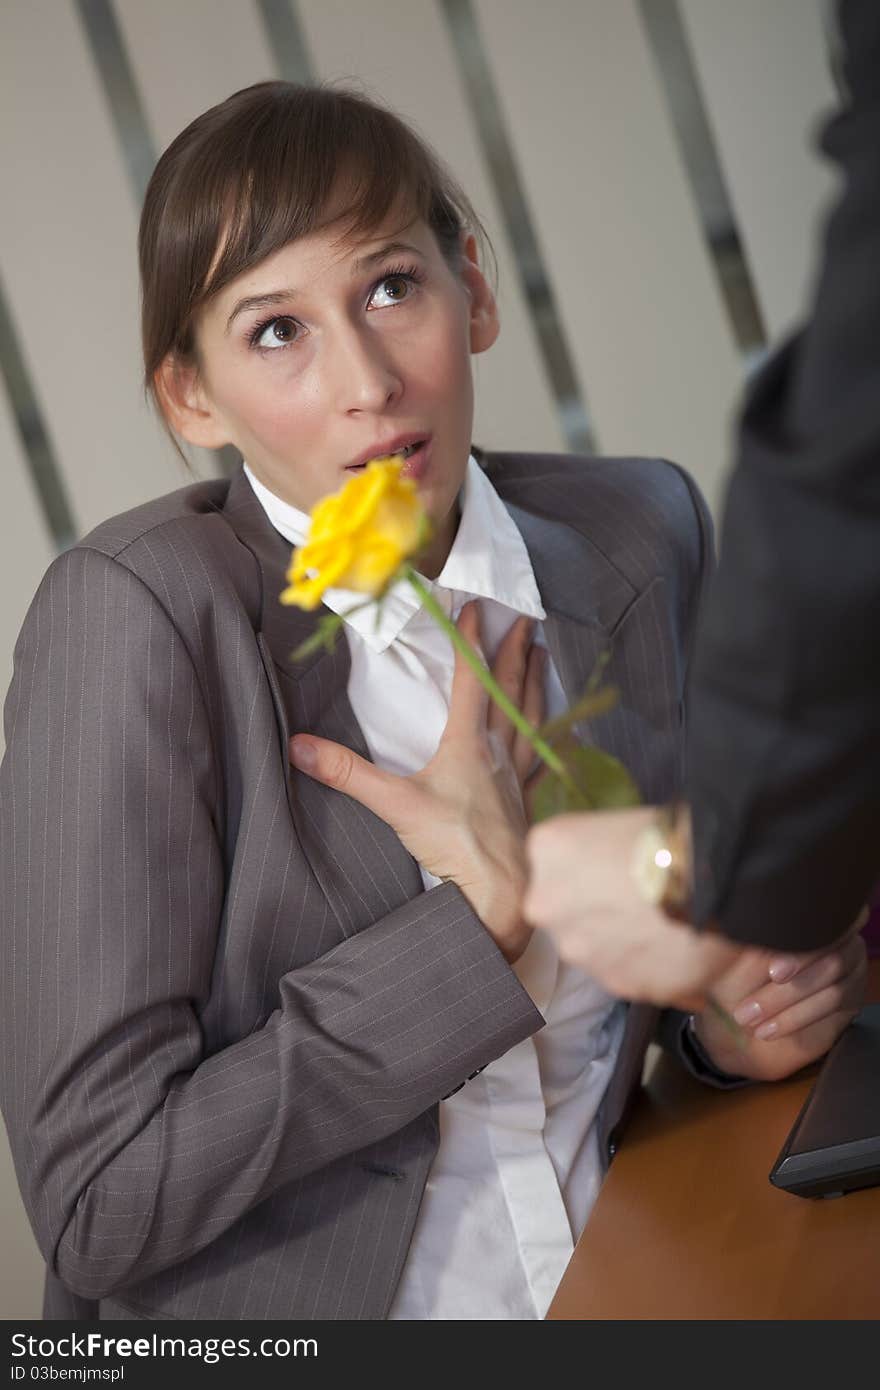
(391, 248)
(271, 297)
(260, 301)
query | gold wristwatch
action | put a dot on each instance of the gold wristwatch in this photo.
(661, 862)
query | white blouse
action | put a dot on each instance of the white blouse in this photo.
(518, 1166)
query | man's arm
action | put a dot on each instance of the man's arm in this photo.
(784, 730)
(784, 745)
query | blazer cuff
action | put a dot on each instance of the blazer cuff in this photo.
(678, 1034)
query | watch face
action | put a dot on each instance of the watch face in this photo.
(651, 864)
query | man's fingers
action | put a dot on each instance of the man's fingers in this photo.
(548, 903)
(468, 700)
(338, 767)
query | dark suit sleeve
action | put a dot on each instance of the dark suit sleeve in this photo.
(784, 747)
(136, 1141)
(675, 1034)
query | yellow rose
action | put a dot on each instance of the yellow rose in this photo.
(359, 536)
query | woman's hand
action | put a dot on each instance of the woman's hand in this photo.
(792, 1008)
(462, 815)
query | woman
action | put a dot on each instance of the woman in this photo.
(272, 1053)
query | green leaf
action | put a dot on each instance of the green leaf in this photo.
(602, 783)
(589, 706)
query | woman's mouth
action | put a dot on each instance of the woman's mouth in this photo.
(414, 458)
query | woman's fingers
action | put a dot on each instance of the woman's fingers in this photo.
(762, 984)
(780, 1056)
(509, 669)
(519, 670)
(533, 708)
(506, 777)
(746, 976)
(468, 700)
(817, 989)
(779, 1045)
(846, 997)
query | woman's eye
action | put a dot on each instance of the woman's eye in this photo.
(276, 334)
(392, 290)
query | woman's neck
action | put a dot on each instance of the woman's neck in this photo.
(432, 559)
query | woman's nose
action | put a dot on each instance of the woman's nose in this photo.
(366, 377)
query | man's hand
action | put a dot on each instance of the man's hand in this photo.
(582, 891)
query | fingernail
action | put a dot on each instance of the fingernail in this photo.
(303, 754)
(767, 1030)
(747, 1013)
(781, 969)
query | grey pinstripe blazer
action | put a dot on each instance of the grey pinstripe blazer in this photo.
(228, 1008)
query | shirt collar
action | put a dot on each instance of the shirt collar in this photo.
(488, 559)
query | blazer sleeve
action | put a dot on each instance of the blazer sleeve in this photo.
(134, 1148)
(784, 751)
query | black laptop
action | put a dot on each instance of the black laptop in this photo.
(834, 1145)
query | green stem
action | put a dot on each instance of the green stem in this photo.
(727, 1019)
(489, 683)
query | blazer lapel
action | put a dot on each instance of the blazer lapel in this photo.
(593, 609)
(583, 600)
(362, 867)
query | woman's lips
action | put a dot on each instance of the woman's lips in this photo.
(415, 466)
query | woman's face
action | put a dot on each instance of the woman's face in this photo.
(331, 353)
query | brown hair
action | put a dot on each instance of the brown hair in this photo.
(257, 172)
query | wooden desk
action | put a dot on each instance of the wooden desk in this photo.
(687, 1224)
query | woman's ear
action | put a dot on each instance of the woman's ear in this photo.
(186, 406)
(483, 315)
